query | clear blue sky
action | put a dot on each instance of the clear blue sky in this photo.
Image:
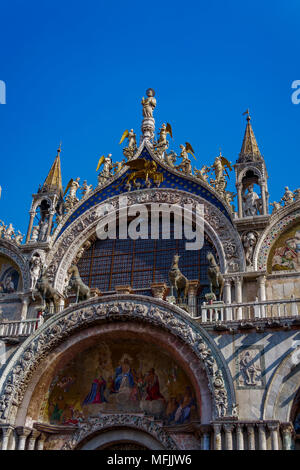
(76, 72)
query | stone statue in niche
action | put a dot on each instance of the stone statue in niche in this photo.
(251, 203)
(249, 241)
(35, 270)
(35, 233)
(43, 230)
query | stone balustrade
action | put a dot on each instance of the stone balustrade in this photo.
(215, 313)
(249, 311)
(13, 329)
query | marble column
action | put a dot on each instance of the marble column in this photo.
(262, 440)
(204, 435)
(203, 313)
(25, 303)
(238, 296)
(228, 427)
(192, 297)
(50, 225)
(286, 430)
(227, 298)
(23, 433)
(262, 294)
(251, 436)
(262, 183)
(6, 432)
(32, 215)
(273, 428)
(239, 436)
(217, 437)
(240, 199)
(41, 442)
(32, 439)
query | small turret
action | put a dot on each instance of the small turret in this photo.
(46, 203)
(250, 170)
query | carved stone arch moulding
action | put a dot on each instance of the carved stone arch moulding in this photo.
(141, 423)
(17, 376)
(271, 234)
(218, 227)
(247, 168)
(42, 197)
(13, 252)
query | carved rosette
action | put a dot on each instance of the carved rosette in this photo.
(18, 373)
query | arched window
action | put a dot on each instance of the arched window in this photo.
(139, 263)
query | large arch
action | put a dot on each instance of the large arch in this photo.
(280, 222)
(117, 428)
(283, 388)
(216, 224)
(164, 323)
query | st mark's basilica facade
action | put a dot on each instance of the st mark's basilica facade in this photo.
(138, 342)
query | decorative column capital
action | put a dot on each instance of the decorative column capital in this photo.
(159, 289)
(23, 431)
(229, 427)
(6, 429)
(123, 290)
(205, 429)
(262, 279)
(34, 434)
(217, 427)
(272, 426)
(193, 287)
(250, 429)
(287, 428)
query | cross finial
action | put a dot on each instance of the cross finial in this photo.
(248, 114)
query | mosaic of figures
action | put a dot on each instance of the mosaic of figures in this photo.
(123, 376)
(285, 255)
(9, 276)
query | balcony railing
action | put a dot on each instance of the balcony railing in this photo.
(14, 329)
(249, 311)
(214, 313)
